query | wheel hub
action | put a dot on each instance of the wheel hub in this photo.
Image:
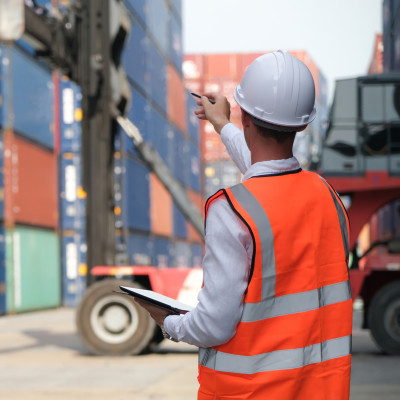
(114, 319)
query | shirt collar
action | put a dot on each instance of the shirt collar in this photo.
(271, 167)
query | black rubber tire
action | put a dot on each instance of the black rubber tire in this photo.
(99, 327)
(384, 318)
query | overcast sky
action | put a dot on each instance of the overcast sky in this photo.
(338, 34)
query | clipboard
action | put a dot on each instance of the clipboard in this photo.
(165, 302)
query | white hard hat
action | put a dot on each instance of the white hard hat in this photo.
(278, 89)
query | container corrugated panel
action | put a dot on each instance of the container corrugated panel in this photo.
(181, 158)
(135, 195)
(157, 68)
(31, 186)
(163, 252)
(157, 22)
(182, 255)
(176, 46)
(33, 269)
(176, 98)
(72, 195)
(140, 249)
(191, 118)
(162, 137)
(177, 6)
(195, 169)
(135, 55)
(138, 7)
(161, 217)
(198, 200)
(222, 66)
(3, 307)
(70, 116)
(396, 44)
(32, 115)
(180, 225)
(197, 255)
(73, 260)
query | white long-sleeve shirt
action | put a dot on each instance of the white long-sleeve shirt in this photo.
(227, 259)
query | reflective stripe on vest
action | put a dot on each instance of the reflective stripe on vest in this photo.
(272, 306)
(275, 360)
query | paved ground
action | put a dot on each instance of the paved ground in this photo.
(42, 358)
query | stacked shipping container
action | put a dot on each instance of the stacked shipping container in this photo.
(31, 256)
(150, 228)
(42, 221)
(220, 73)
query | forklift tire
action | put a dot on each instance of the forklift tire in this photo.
(113, 324)
(384, 318)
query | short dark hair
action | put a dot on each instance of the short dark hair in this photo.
(279, 136)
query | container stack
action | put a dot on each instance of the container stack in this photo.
(30, 189)
(220, 73)
(72, 195)
(391, 35)
(150, 229)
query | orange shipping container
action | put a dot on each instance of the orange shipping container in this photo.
(176, 98)
(31, 185)
(193, 66)
(198, 200)
(161, 218)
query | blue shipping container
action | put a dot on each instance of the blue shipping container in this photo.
(163, 252)
(70, 117)
(175, 45)
(135, 188)
(197, 255)
(73, 260)
(157, 22)
(140, 249)
(177, 7)
(134, 57)
(192, 120)
(138, 8)
(25, 111)
(194, 168)
(182, 255)
(180, 225)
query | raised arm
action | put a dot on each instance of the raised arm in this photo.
(218, 115)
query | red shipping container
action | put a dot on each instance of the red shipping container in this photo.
(161, 218)
(221, 66)
(198, 200)
(176, 98)
(31, 184)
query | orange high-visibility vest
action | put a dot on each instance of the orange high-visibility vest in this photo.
(294, 337)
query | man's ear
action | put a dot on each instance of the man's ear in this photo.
(245, 117)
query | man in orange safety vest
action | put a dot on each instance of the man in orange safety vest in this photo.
(274, 318)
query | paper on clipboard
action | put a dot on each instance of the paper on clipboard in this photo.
(157, 299)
